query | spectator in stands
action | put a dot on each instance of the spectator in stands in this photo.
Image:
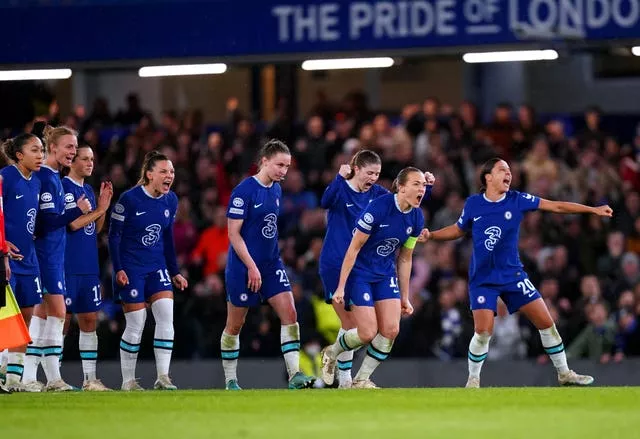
(211, 249)
(597, 340)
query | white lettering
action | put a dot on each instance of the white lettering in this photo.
(535, 18)
(597, 13)
(328, 20)
(473, 11)
(283, 13)
(571, 15)
(632, 15)
(403, 29)
(360, 15)
(492, 8)
(302, 23)
(385, 14)
(445, 15)
(422, 19)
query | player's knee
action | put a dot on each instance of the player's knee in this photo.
(367, 334)
(163, 311)
(289, 316)
(390, 331)
(483, 336)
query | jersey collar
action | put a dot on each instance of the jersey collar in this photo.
(21, 174)
(497, 201)
(395, 200)
(50, 168)
(255, 177)
(73, 181)
(149, 195)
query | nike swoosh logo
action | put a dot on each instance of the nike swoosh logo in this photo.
(384, 225)
(255, 206)
(19, 196)
(140, 213)
(349, 205)
(477, 218)
(166, 284)
(532, 294)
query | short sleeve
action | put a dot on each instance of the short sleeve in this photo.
(369, 218)
(464, 222)
(527, 202)
(47, 191)
(238, 206)
(70, 200)
(120, 210)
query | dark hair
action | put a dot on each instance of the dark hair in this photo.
(271, 148)
(487, 167)
(51, 135)
(81, 146)
(402, 177)
(361, 159)
(11, 147)
(150, 160)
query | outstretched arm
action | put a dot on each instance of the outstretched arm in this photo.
(448, 233)
(567, 207)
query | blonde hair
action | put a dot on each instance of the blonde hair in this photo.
(51, 135)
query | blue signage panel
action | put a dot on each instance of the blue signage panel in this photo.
(62, 31)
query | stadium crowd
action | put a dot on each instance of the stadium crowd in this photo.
(586, 268)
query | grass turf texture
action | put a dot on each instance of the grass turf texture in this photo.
(386, 413)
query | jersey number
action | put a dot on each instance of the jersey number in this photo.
(528, 289)
(96, 293)
(38, 287)
(164, 276)
(283, 277)
(153, 236)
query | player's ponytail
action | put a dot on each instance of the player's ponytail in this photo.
(150, 160)
(362, 159)
(11, 147)
(51, 135)
(402, 178)
(486, 169)
(271, 148)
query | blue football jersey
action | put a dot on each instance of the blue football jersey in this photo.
(495, 227)
(259, 207)
(50, 244)
(20, 198)
(141, 232)
(81, 254)
(389, 228)
(344, 204)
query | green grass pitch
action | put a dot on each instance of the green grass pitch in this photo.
(494, 413)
